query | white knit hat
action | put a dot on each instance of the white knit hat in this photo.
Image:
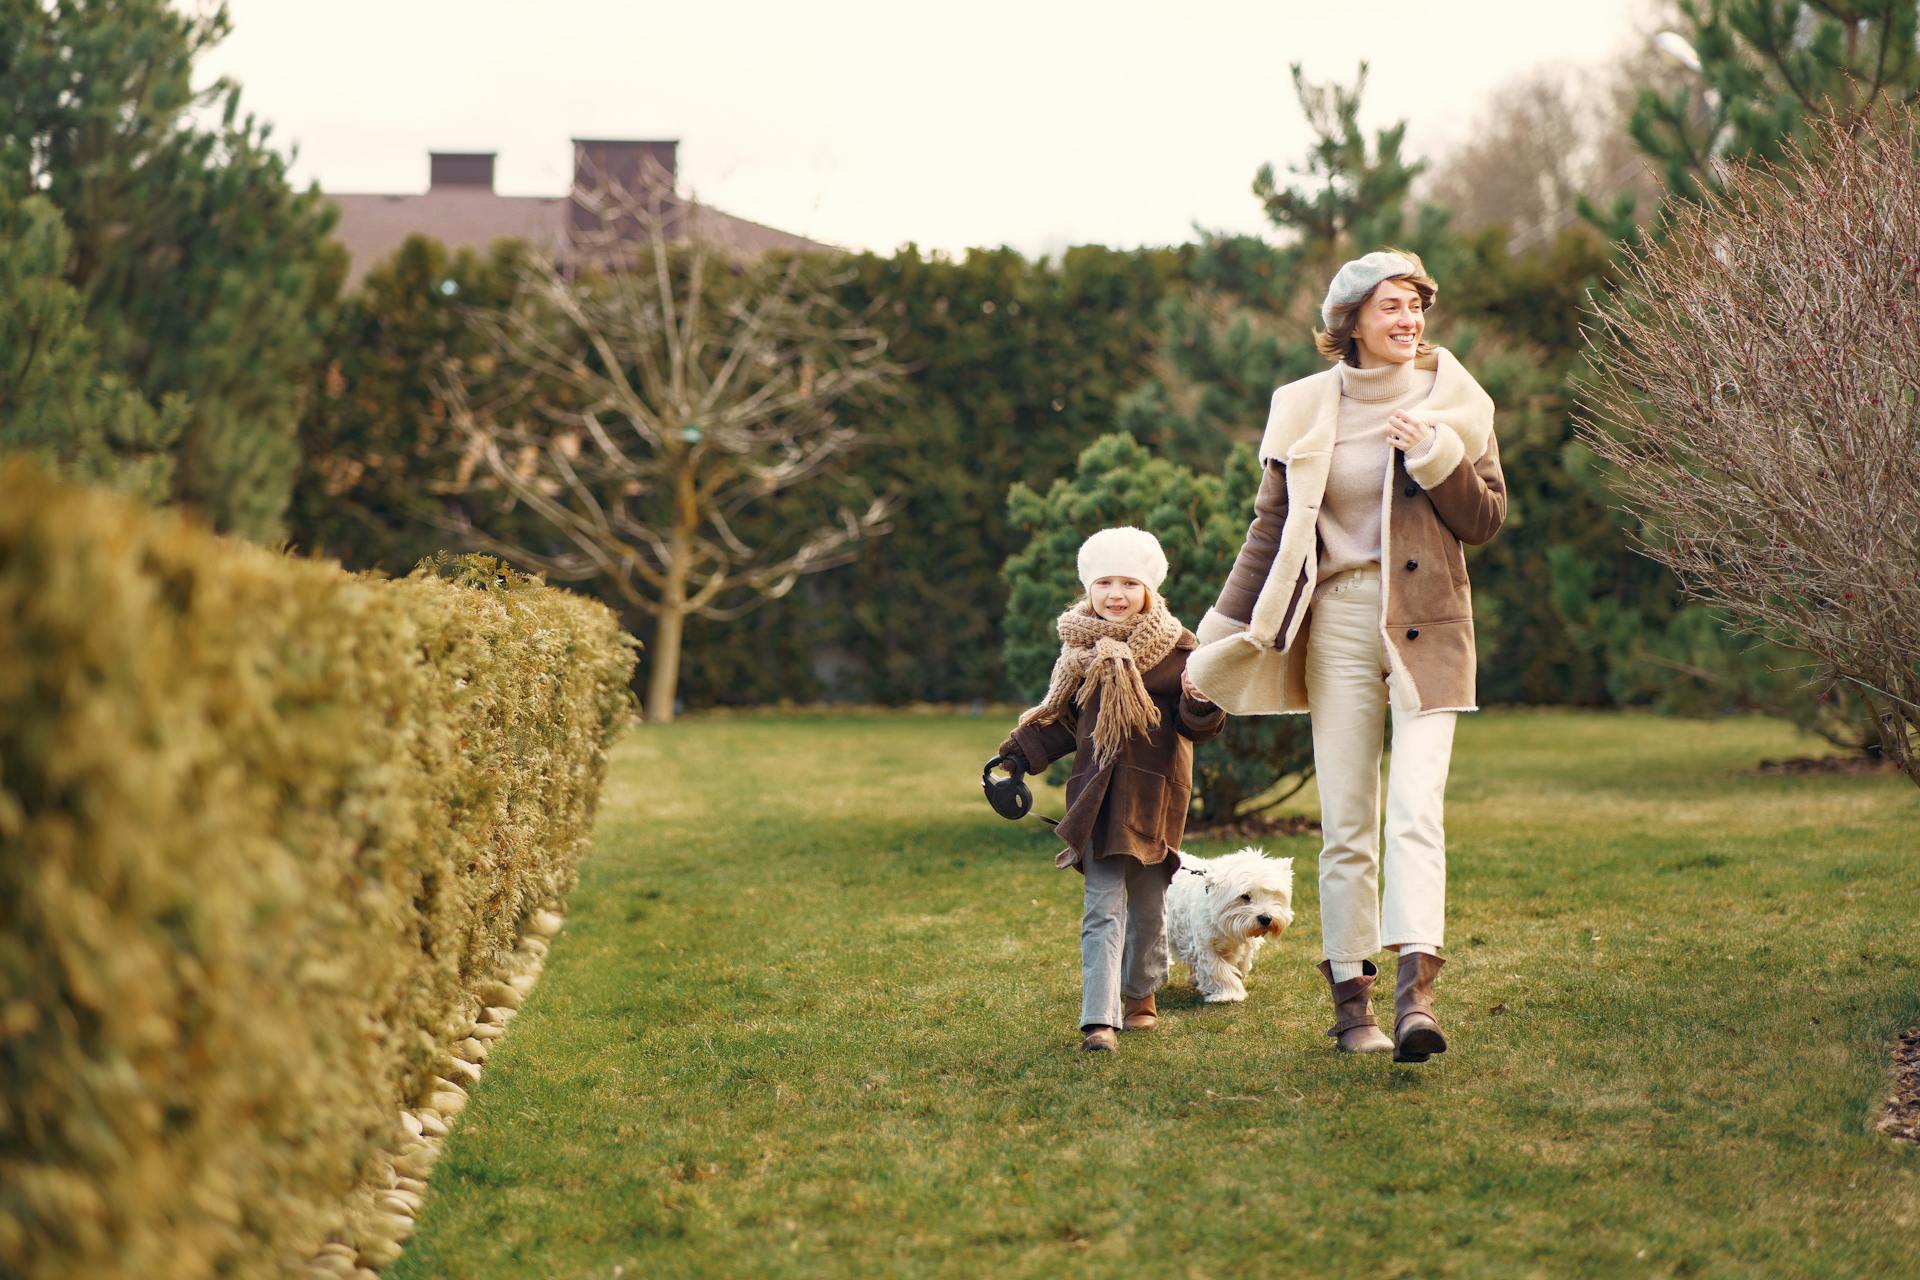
(1125, 552)
(1357, 279)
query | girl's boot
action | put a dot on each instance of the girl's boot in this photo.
(1416, 1032)
(1354, 1029)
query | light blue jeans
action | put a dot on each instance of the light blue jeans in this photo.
(1123, 937)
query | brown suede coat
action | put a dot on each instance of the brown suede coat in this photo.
(1454, 494)
(1137, 805)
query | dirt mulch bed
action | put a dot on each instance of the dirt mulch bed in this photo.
(1900, 1120)
(1250, 829)
(1856, 764)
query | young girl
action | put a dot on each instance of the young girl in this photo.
(1120, 702)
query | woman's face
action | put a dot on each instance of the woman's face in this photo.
(1117, 598)
(1390, 324)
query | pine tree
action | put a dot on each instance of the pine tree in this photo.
(1245, 324)
(55, 402)
(1762, 71)
(1355, 195)
(202, 276)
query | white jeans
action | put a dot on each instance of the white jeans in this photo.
(1349, 692)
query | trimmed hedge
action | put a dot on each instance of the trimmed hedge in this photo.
(263, 824)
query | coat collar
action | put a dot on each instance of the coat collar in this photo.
(1305, 415)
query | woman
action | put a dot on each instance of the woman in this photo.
(1348, 600)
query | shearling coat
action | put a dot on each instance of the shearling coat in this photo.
(1137, 804)
(1453, 493)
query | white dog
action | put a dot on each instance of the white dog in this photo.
(1219, 912)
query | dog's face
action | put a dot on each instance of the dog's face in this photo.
(1250, 895)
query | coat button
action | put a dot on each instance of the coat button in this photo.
(1413, 633)
(1411, 490)
(1413, 564)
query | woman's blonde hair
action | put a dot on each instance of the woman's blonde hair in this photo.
(1337, 343)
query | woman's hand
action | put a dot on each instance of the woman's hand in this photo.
(1186, 684)
(1406, 432)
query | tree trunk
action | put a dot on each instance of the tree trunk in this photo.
(664, 678)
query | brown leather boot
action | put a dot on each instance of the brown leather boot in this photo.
(1416, 1032)
(1100, 1040)
(1354, 1029)
(1140, 1015)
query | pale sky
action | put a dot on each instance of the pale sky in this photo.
(869, 124)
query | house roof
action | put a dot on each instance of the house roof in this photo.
(373, 226)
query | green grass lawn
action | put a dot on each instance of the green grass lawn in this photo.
(814, 1014)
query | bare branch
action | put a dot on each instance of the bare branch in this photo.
(1756, 388)
(824, 549)
(645, 395)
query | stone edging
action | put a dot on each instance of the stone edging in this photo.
(382, 1214)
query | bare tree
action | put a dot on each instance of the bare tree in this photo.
(1524, 164)
(660, 395)
(1756, 387)
(1542, 142)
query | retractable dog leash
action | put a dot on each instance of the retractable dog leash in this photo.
(1010, 796)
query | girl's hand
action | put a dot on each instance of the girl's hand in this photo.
(1186, 684)
(1406, 432)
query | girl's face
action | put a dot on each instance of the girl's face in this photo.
(1390, 324)
(1117, 598)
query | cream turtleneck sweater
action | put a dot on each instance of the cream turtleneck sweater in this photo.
(1349, 522)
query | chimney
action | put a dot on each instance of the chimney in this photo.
(645, 171)
(468, 170)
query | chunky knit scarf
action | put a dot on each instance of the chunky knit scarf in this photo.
(1104, 658)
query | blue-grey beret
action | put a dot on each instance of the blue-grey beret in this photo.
(1356, 280)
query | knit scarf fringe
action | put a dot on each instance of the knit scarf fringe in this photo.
(1105, 659)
